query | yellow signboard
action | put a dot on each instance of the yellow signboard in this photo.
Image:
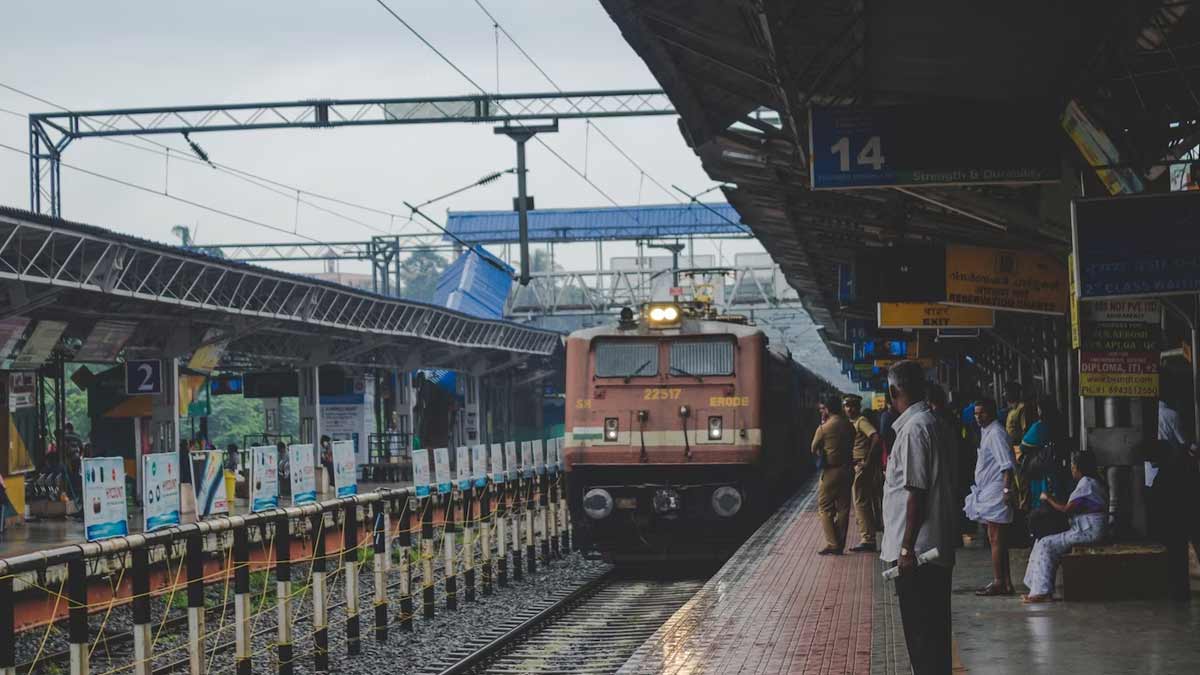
(933, 315)
(878, 401)
(1019, 281)
(1074, 300)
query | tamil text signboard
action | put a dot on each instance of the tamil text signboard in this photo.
(945, 144)
(1142, 245)
(1020, 281)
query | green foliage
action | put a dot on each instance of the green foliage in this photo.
(419, 275)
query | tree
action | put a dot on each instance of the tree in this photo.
(420, 274)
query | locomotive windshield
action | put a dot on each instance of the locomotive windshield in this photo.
(621, 358)
(701, 357)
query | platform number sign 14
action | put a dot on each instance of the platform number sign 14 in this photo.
(143, 377)
(871, 153)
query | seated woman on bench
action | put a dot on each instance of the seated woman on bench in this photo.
(1086, 510)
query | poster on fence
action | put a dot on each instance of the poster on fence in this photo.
(527, 462)
(208, 483)
(421, 480)
(303, 473)
(462, 467)
(441, 469)
(105, 513)
(552, 460)
(510, 460)
(264, 477)
(539, 456)
(479, 457)
(497, 453)
(160, 490)
(345, 469)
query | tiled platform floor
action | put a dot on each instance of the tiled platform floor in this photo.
(778, 607)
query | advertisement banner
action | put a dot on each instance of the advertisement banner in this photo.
(345, 469)
(208, 483)
(462, 466)
(479, 465)
(1123, 311)
(302, 467)
(553, 447)
(264, 477)
(1137, 245)
(1018, 281)
(160, 490)
(105, 513)
(511, 464)
(539, 456)
(933, 315)
(1118, 374)
(441, 470)
(527, 459)
(421, 478)
(497, 454)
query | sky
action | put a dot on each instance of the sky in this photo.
(84, 55)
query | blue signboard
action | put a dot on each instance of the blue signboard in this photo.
(933, 145)
(1141, 245)
(846, 294)
(858, 330)
(143, 377)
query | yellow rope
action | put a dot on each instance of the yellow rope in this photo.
(49, 627)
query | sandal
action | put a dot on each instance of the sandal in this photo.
(991, 589)
(1036, 599)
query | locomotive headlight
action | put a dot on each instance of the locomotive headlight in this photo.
(597, 503)
(726, 501)
(716, 428)
(610, 429)
(662, 315)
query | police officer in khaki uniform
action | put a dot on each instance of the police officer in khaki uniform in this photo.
(868, 450)
(832, 442)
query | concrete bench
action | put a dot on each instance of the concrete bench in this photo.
(1115, 572)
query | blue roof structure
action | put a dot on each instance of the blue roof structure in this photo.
(624, 222)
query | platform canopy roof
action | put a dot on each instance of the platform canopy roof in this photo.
(169, 301)
(657, 221)
(1134, 65)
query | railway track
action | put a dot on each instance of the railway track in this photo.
(591, 630)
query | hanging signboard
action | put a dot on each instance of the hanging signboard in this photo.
(302, 472)
(40, 345)
(208, 483)
(479, 465)
(143, 377)
(462, 466)
(105, 513)
(942, 144)
(1141, 245)
(264, 477)
(932, 315)
(441, 470)
(208, 355)
(105, 342)
(345, 469)
(12, 330)
(1019, 281)
(497, 454)
(510, 460)
(421, 478)
(160, 490)
(858, 330)
(1120, 348)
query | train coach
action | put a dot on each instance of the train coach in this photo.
(684, 430)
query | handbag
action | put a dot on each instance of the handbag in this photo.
(1044, 521)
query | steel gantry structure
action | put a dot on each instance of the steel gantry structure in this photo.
(50, 133)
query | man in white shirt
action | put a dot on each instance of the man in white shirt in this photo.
(919, 515)
(990, 501)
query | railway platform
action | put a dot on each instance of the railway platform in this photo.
(777, 607)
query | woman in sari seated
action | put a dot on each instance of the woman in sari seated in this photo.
(1086, 510)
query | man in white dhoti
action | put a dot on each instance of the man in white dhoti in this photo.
(989, 502)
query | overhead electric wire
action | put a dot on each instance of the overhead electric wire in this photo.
(182, 200)
(535, 64)
(241, 174)
(475, 84)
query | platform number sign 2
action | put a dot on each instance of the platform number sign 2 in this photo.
(143, 377)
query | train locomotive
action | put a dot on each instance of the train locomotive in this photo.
(684, 430)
